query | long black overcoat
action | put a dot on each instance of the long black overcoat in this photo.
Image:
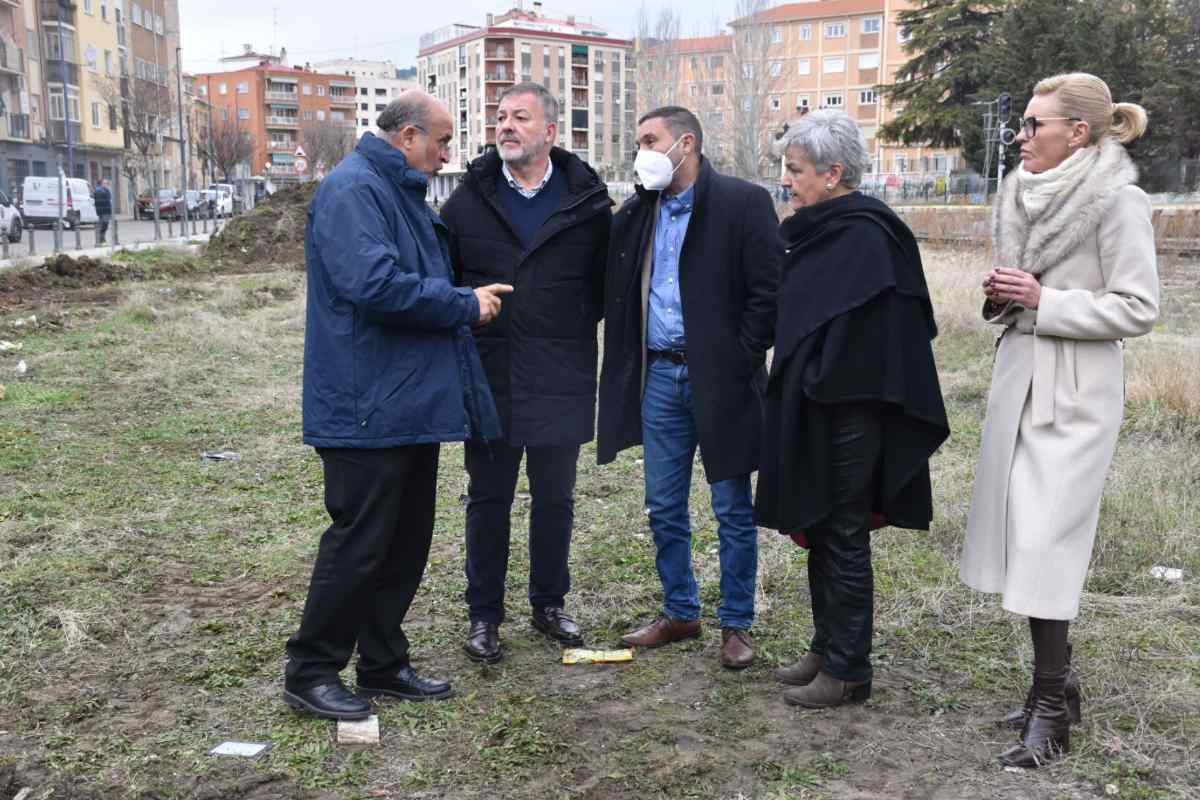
(540, 354)
(728, 271)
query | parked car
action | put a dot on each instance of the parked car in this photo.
(10, 219)
(194, 201)
(166, 204)
(40, 203)
(235, 202)
(222, 203)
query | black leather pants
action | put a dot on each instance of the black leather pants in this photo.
(839, 558)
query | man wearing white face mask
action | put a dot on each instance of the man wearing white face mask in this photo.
(693, 264)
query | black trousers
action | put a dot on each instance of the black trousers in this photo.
(369, 564)
(493, 470)
(840, 578)
(102, 225)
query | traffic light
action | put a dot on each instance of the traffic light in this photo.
(1005, 102)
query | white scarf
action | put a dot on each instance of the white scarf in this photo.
(1038, 189)
(1039, 220)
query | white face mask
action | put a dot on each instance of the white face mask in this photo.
(655, 169)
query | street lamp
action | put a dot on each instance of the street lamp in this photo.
(183, 154)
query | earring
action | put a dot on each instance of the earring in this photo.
(829, 187)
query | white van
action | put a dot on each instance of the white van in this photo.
(39, 201)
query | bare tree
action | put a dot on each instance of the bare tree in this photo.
(657, 57)
(143, 110)
(708, 63)
(230, 146)
(754, 78)
(326, 142)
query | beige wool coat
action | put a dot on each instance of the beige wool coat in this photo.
(1057, 394)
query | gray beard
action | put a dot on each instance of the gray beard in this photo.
(519, 160)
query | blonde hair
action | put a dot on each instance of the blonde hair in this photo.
(1087, 97)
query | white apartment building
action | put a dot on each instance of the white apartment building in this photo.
(375, 85)
(592, 74)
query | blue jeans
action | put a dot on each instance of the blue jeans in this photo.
(669, 439)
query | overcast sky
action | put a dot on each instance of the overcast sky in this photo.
(316, 30)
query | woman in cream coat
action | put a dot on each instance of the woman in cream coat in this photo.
(1075, 274)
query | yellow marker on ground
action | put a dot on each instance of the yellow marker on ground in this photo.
(579, 655)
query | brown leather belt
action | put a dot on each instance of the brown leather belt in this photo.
(674, 356)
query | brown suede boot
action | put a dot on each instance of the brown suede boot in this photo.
(826, 691)
(737, 650)
(802, 672)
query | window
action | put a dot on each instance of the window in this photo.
(308, 116)
(832, 100)
(91, 58)
(320, 116)
(776, 69)
(136, 14)
(835, 30)
(108, 63)
(243, 88)
(56, 103)
(716, 62)
(380, 106)
(73, 104)
(320, 90)
(805, 32)
(748, 71)
(224, 113)
(867, 97)
(222, 88)
(872, 25)
(834, 64)
(802, 102)
(694, 90)
(337, 116)
(695, 62)
(776, 34)
(104, 12)
(363, 91)
(308, 88)
(718, 88)
(776, 103)
(804, 66)
(868, 61)
(366, 123)
(243, 113)
(365, 106)
(52, 44)
(87, 6)
(901, 163)
(747, 104)
(112, 118)
(158, 24)
(95, 115)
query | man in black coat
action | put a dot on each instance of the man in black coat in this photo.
(540, 217)
(104, 210)
(689, 315)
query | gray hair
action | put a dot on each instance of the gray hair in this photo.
(549, 101)
(410, 108)
(827, 138)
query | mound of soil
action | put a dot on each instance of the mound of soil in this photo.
(270, 233)
(63, 275)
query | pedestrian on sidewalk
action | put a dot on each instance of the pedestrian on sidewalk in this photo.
(103, 208)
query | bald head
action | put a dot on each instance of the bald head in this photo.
(418, 125)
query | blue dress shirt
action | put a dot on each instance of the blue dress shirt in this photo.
(664, 320)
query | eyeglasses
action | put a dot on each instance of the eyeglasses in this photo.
(1030, 125)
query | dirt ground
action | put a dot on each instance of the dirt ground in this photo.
(145, 595)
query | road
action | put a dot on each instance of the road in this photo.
(129, 230)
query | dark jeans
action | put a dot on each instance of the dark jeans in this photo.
(839, 557)
(493, 469)
(102, 226)
(369, 563)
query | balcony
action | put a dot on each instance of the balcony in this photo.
(121, 36)
(16, 126)
(578, 60)
(59, 129)
(58, 71)
(13, 3)
(282, 122)
(342, 100)
(286, 97)
(53, 10)
(499, 77)
(282, 147)
(283, 171)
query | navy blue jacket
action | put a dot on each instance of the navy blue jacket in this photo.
(103, 200)
(389, 359)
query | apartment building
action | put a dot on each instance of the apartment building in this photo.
(467, 67)
(811, 55)
(21, 131)
(102, 138)
(375, 84)
(274, 102)
(150, 55)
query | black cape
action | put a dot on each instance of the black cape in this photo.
(855, 324)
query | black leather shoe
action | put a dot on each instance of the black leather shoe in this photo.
(404, 683)
(328, 701)
(483, 643)
(555, 623)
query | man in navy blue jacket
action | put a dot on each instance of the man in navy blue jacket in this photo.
(390, 372)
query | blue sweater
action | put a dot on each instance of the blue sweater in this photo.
(527, 215)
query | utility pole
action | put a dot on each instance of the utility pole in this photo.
(183, 146)
(62, 60)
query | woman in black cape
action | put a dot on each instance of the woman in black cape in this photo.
(853, 406)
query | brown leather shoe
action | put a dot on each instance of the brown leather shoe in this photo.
(802, 672)
(826, 691)
(737, 650)
(663, 630)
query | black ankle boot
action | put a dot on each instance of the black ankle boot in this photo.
(1015, 719)
(1046, 735)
